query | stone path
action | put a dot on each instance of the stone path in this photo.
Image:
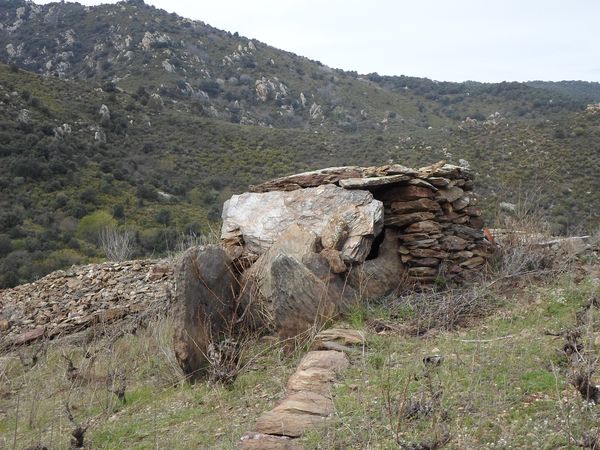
(307, 403)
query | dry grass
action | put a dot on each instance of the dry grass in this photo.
(504, 363)
(501, 382)
(127, 390)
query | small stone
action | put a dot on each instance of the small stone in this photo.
(450, 194)
(29, 336)
(373, 182)
(424, 262)
(428, 253)
(342, 335)
(334, 258)
(461, 203)
(476, 222)
(453, 243)
(427, 226)
(461, 219)
(407, 193)
(421, 204)
(296, 414)
(422, 272)
(439, 182)
(473, 211)
(400, 220)
(473, 262)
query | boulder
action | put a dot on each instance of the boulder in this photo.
(205, 305)
(258, 219)
(382, 275)
(256, 291)
(306, 295)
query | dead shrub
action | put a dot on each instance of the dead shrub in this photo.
(224, 359)
(118, 245)
(402, 406)
(442, 310)
(583, 383)
(525, 241)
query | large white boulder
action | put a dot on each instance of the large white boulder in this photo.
(256, 220)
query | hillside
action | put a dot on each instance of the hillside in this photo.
(230, 77)
(492, 365)
(128, 117)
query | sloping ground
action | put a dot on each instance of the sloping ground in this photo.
(72, 300)
(503, 382)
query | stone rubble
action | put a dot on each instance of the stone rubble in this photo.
(74, 299)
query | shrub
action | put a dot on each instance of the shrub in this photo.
(90, 227)
(118, 211)
(212, 88)
(5, 245)
(146, 192)
(163, 217)
(118, 245)
(88, 196)
(10, 219)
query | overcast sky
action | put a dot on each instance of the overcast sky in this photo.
(453, 40)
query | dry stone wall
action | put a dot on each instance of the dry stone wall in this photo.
(432, 211)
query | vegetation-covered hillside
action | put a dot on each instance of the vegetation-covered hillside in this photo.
(127, 117)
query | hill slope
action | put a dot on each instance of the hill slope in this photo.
(129, 117)
(505, 378)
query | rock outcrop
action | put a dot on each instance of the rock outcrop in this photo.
(205, 305)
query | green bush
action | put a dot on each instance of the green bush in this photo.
(90, 226)
(5, 245)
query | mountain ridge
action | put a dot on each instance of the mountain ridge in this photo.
(156, 139)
